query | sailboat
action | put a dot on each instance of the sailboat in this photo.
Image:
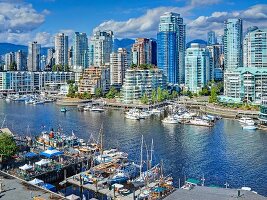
(150, 173)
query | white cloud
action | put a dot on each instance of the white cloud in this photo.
(20, 17)
(253, 16)
(146, 24)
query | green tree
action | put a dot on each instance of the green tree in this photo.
(72, 90)
(13, 66)
(160, 95)
(174, 94)
(144, 99)
(8, 145)
(205, 91)
(165, 94)
(154, 96)
(111, 93)
(98, 93)
(213, 95)
(87, 95)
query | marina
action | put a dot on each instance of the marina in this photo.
(128, 140)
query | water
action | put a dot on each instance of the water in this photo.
(224, 153)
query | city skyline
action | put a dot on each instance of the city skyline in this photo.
(24, 21)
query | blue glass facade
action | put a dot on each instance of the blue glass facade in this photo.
(167, 55)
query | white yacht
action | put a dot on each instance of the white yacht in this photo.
(249, 127)
(132, 116)
(170, 120)
(97, 109)
(87, 108)
(199, 122)
(246, 121)
(156, 111)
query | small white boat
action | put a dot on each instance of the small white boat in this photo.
(170, 120)
(30, 101)
(38, 102)
(132, 116)
(156, 111)
(8, 99)
(246, 120)
(249, 127)
(97, 109)
(199, 122)
(87, 108)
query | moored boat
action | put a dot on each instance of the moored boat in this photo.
(170, 120)
(97, 109)
(249, 127)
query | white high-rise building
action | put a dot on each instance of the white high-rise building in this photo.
(9, 60)
(118, 65)
(233, 33)
(21, 60)
(34, 57)
(197, 72)
(80, 52)
(61, 49)
(101, 47)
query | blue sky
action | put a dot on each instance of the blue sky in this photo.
(22, 21)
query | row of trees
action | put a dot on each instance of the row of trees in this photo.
(60, 68)
(143, 66)
(159, 95)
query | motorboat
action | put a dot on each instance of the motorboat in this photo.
(87, 108)
(8, 99)
(249, 127)
(119, 177)
(170, 120)
(246, 120)
(63, 109)
(97, 109)
(29, 101)
(199, 122)
(156, 111)
(38, 102)
(132, 116)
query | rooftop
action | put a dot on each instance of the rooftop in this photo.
(211, 193)
(13, 187)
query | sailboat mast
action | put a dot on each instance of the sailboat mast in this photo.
(141, 155)
(101, 139)
(151, 153)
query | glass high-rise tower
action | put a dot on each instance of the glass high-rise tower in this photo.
(171, 47)
(80, 51)
(233, 31)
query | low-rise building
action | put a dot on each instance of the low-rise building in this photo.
(28, 82)
(249, 84)
(138, 82)
(93, 78)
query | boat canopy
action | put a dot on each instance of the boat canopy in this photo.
(49, 153)
(30, 155)
(26, 167)
(49, 187)
(73, 197)
(43, 162)
(36, 181)
(193, 181)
